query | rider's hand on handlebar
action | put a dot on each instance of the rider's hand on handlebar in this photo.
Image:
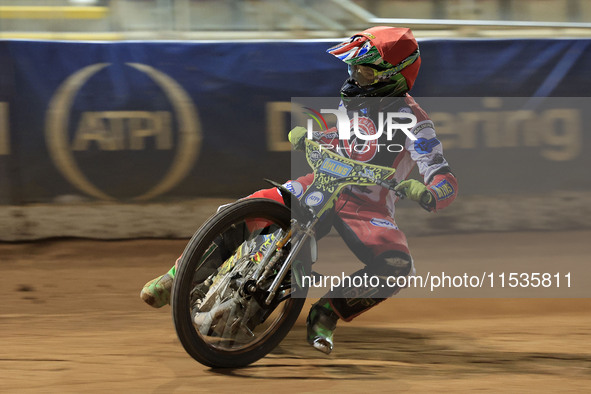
(416, 191)
(297, 136)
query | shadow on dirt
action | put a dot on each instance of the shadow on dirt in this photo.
(382, 353)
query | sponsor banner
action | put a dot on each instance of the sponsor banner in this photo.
(8, 174)
(144, 121)
(5, 187)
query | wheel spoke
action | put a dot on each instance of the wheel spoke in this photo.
(216, 299)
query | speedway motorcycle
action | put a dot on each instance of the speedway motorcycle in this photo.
(238, 287)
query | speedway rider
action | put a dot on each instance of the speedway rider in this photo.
(383, 64)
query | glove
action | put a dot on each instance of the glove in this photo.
(416, 191)
(297, 136)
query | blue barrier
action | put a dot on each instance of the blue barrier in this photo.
(138, 121)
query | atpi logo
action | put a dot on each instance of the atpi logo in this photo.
(314, 199)
(126, 131)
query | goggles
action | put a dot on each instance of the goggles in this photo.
(367, 75)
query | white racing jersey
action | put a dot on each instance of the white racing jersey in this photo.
(399, 151)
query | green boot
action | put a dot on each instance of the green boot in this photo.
(156, 292)
(321, 323)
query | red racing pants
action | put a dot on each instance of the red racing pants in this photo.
(371, 234)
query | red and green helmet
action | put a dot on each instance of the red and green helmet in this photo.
(383, 61)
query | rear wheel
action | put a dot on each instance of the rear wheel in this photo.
(220, 320)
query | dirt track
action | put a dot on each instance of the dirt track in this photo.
(72, 321)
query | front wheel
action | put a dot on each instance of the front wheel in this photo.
(219, 322)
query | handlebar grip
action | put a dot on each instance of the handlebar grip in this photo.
(426, 203)
(391, 185)
(426, 207)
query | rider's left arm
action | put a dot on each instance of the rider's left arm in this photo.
(427, 152)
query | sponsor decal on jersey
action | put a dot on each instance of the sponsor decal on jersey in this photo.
(314, 199)
(295, 188)
(443, 190)
(321, 135)
(383, 223)
(427, 124)
(437, 159)
(358, 149)
(423, 145)
(335, 168)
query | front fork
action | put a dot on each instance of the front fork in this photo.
(302, 234)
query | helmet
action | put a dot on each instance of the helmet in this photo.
(383, 62)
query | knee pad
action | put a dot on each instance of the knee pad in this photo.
(392, 264)
(351, 302)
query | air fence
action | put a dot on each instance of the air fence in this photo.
(145, 139)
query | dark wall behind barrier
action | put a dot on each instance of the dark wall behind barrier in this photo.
(146, 121)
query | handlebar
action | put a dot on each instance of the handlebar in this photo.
(391, 185)
(387, 184)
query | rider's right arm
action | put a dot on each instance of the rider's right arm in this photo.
(328, 139)
(296, 136)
